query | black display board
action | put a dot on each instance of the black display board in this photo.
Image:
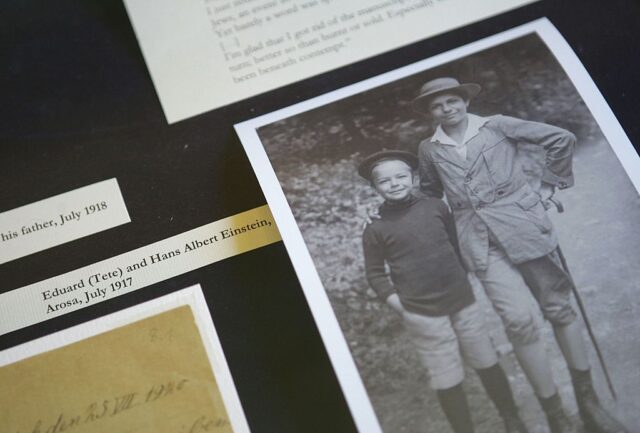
(79, 107)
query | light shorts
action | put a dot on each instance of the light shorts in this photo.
(443, 342)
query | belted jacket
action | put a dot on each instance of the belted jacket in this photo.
(488, 191)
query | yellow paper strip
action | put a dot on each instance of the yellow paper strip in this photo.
(137, 269)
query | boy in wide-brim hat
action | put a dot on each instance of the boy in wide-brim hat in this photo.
(426, 284)
(505, 236)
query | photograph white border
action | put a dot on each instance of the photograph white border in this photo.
(191, 296)
(333, 338)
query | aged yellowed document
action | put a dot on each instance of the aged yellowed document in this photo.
(149, 376)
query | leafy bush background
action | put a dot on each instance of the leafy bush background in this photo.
(315, 155)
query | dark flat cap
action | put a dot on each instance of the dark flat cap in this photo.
(365, 167)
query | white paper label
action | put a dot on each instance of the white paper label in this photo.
(62, 218)
(137, 269)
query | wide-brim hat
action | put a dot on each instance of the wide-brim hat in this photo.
(365, 167)
(441, 85)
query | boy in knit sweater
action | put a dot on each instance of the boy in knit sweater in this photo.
(415, 239)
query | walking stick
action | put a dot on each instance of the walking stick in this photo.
(583, 311)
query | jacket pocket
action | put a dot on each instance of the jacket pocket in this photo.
(499, 161)
(531, 204)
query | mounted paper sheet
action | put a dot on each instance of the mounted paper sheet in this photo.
(204, 54)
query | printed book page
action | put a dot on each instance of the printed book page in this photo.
(205, 54)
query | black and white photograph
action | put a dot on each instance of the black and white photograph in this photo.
(465, 230)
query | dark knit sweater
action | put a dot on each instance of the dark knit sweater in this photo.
(417, 240)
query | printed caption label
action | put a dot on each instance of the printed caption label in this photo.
(60, 219)
(137, 269)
